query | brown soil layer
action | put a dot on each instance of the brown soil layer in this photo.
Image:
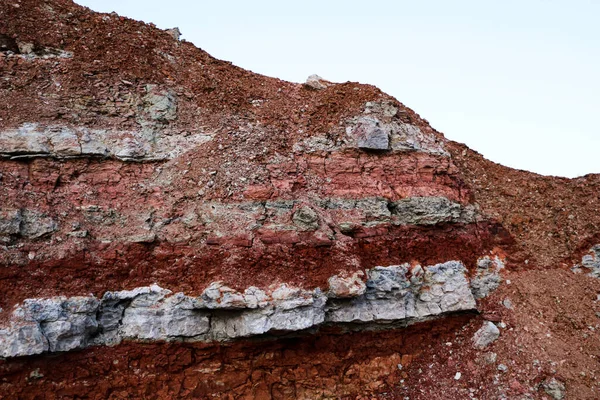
(325, 364)
(553, 220)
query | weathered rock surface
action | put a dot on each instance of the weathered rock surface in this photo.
(25, 223)
(370, 136)
(342, 287)
(554, 388)
(398, 292)
(487, 276)
(315, 82)
(129, 157)
(390, 294)
(60, 141)
(590, 263)
(431, 211)
(486, 335)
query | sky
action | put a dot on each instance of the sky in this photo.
(517, 81)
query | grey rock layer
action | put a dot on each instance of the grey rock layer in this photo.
(378, 128)
(25, 223)
(399, 293)
(554, 388)
(58, 141)
(432, 211)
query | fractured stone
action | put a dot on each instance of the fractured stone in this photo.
(370, 136)
(58, 141)
(398, 293)
(486, 335)
(487, 276)
(432, 211)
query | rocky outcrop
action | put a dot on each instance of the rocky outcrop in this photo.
(395, 294)
(59, 141)
(318, 215)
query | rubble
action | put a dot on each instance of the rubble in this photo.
(486, 335)
(554, 388)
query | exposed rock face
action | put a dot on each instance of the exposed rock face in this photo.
(315, 82)
(369, 135)
(221, 313)
(30, 140)
(392, 295)
(303, 230)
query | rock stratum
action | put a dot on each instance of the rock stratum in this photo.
(173, 226)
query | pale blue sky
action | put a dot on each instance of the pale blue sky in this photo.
(518, 81)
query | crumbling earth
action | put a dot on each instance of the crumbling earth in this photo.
(173, 226)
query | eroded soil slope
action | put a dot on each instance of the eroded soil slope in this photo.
(173, 226)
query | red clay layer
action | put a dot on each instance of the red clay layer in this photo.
(191, 267)
(348, 364)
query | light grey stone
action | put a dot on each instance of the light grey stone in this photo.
(487, 276)
(369, 135)
(374, 208)
(160, 104)
(315, 82)
(431, 211)
(53, 324)
(63, 141)
(22, 339)
(10, 222)
(255, 297)
(390, 295)
(149, 143)
(590, 263)
(554, 388)
(175, 33)
(380, 120)
(25, 139)
(486, 335)
(219, 296)
(291, 310)
(162, 323)
(35, 224)
(306, 219)
(341, 287)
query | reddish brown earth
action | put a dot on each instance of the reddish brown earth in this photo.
(542, 225)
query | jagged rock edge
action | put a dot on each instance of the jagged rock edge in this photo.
(392, 297)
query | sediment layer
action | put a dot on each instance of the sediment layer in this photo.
(396, 294)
